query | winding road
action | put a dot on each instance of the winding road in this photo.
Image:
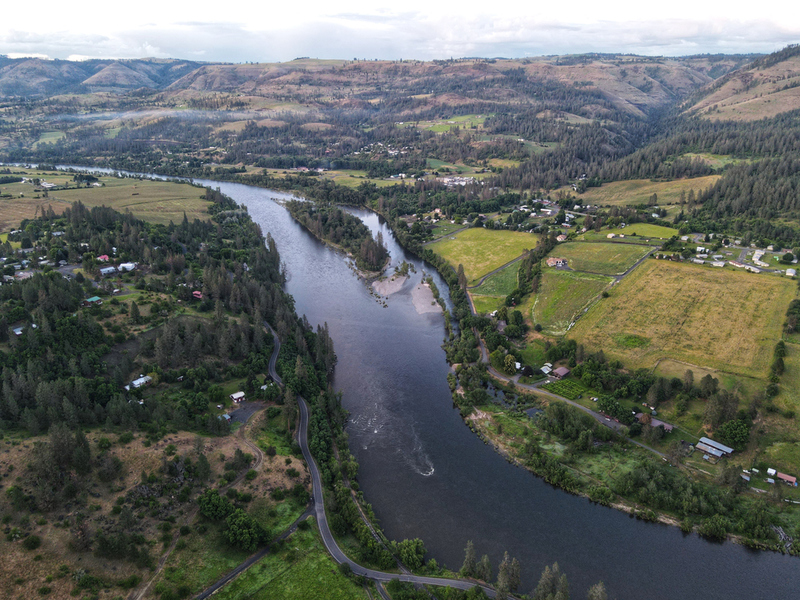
(317, 508)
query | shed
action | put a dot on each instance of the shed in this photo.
(787, 478)
(546, 370)
(225, 417)
(709, 450)
(771, 472)
(560, 372)
(725, 449)
(237, 396)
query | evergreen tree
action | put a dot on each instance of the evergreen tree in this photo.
(468, 568)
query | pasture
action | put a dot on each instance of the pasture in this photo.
(639, 191)
(603, 258)
(562, 298)
(638, 231)
(492, 292)
(720, 319)
(483, 250)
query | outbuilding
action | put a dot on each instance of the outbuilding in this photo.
(238, 397)
(560, 372)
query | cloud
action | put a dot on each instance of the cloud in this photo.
(277, 34)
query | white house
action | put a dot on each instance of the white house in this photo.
(237, 397)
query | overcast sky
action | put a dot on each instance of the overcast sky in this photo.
(278, 31)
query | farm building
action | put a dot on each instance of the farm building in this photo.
(556, 262)
(560, 372)
(721, 447)
(787, 479)
(238, 397)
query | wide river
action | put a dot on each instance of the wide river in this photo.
(428, 476)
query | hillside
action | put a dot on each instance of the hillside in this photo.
(766, 88)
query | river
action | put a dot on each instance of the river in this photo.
(428, 476)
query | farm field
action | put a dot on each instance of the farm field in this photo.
(604, 258)
(562, 297)
(154, 201)
(482, 250)
(724, 320)
(568, 388)
(500, 284)
(301, 569)
(639, 191)
(644, 230)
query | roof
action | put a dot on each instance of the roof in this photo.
(785, 477)
(561, 371)
(709, 442)
(708, 449)
(93, 299)
(237, 395)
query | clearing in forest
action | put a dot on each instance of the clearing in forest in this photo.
(722, 319)
(639, 191)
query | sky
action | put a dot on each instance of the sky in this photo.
(264, 31)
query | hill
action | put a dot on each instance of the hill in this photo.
(765, 88)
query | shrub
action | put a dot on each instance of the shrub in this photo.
(32, 542)
(251, 474)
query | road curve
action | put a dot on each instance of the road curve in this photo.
(330, 542)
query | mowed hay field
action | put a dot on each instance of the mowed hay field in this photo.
(483, 250)
(639, 191)
(605, 258)
(726, 320)
(562, 297)
(153, 201)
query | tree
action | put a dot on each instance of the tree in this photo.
(787, 258)
(597, 592)
(514, 575)
(484, 569)
(244, 531)
(462, 277)
(688, 380)
(552, 585)
(735, 433)
(510, 364)
(135, 316)
(470, 563)
(202, 469)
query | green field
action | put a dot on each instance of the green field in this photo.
(482, 250)
(301, 569)
(568, 388)
(720, 319)
(562, 297)
(607, 259)
(485, 305)
(643, 230)
(500, 284)
(48, 137)
(639, 191)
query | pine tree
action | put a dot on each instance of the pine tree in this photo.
(468, 568)
(484, 570)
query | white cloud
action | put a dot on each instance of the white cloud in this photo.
(262, 31)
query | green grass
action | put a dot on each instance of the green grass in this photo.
(302, 569)
(486, 304)
(274, 434)
(639, 191)
(607, 259)
(48, 137)
(445, 227)
(644, 230)
(482, 250)
(500, 284)
(532, 355)
(720, 319)
(562, 298)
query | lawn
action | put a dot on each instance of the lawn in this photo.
(486, 304)
(500, 284)
(483, 250)
(639, 191)
(301, 569)
(722, 319)
(644, 230)
(604, 258)
(562, 297)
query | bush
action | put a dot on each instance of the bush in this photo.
(32, 542)
(251, 474)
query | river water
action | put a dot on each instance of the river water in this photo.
(428, 476)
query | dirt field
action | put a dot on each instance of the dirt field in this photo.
(719, 319)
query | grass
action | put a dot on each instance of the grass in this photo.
(607, 259)
(639, 191)
(48, 137)
(445, 227)
(719, 319)
(482, 250)
(500, 284)
(562, 297)
(301, 569)
(568, 388)
(486, 304)
(644, 230)
(533, 354)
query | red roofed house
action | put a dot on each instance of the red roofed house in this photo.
(197, 295)
(103, 258)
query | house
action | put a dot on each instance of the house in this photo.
(105, 271)
(197, 295)
(560, 372)
(791, 272)
(103, 258)
(124, 267)
(561, 238)
(142, 381)
(556, 262)
(611, 235)
(93, 301)
(546, 370)
(718, 263)
(238, 397)
(698, 261)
